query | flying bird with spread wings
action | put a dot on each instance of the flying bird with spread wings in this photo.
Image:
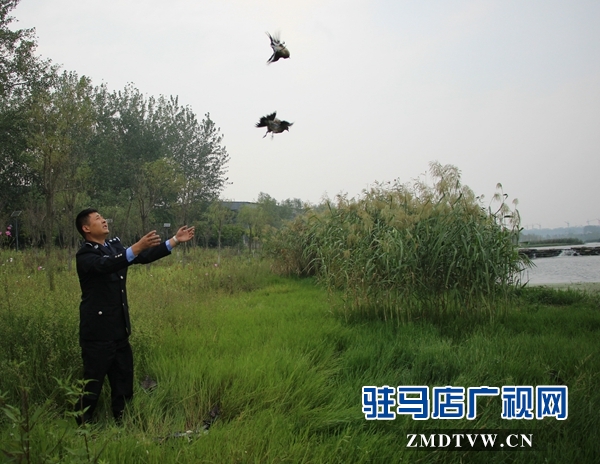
(273, 125)
(279, 49)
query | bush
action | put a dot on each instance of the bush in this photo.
(401, 249)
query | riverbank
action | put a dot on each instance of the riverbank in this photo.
(551, 252)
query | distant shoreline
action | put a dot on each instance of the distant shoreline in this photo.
(552, 252)
(551, 243)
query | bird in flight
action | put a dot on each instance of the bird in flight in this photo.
(279, 49)
(273, 125)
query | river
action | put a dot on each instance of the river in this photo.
(564, 269)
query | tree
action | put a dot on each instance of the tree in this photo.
(270, 211)
(156, 185)
(198, 151)
(290, 208)
(20, 72)
(275, 212)
(219, 215)
(63, 142)
(134, 133)
(253, 219)
(61, 124)
(20, 69)
(15, 172)
(126, 150)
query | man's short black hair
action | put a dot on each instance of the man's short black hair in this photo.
(82, 219)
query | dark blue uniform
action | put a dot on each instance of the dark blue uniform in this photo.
(104, 325)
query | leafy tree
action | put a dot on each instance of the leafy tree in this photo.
(20, 72)
(61, 122)
(74, 98)
(109, 176)
(232, 235)
(126, 150)
(15, 172)
(20, 69)
(156, 185)
(253, 219)
(269, 208)
(66, 145)
(276, 212)
(204, 230)
(219, 215)
(134, 133)
(290, 208)
(196, 146)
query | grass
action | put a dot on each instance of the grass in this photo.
(286, 366)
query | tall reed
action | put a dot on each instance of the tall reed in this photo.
(403, 250)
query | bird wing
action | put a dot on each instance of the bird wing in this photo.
(266, 121)
(279, 49)
(263, 122)
(275, 42)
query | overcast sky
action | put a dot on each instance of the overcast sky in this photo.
(506, 90)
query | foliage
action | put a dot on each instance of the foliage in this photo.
(38, 329)
(553, 297)
(61, 119)
(262, 218)
(28, 444)
(405, 248)
(533, 240)
(155, 154)
(20, 69)
(15, 170)
(67, 145)
(21, 73)
(254, 220)
(287, 371)
(220, 216)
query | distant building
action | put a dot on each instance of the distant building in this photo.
(237, 205)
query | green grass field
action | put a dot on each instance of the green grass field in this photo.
(284, 366)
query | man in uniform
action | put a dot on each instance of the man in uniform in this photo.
(104, 326)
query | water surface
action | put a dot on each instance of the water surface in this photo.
(564, 269)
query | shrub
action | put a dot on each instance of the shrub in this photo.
(406, 248)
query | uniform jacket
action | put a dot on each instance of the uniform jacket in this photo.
(102, 271)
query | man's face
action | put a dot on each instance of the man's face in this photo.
(96, 228)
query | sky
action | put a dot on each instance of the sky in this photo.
(508, 91)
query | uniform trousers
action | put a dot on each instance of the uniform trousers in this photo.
(106, 358)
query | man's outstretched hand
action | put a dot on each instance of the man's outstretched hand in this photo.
(185, 234)
(151, 239)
